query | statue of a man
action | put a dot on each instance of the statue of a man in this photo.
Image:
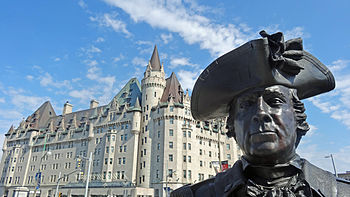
(259, 85)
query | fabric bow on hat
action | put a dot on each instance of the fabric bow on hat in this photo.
(285, 55)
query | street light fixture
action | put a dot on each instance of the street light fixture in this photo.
(38, 174)
(333, 163)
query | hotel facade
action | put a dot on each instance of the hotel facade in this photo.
(145, 142)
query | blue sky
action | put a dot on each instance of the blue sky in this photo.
(82, 50)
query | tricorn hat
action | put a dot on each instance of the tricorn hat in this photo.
(258, 63)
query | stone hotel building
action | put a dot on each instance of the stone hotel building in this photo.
(145, 142)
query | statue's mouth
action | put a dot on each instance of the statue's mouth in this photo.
(265, 136)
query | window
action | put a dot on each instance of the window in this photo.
(184, 133)
(158, 146)
(124, 160)
(171, 120)
(189, 134)
(158, 134)
(121, 138)
(228, 156)
(189, 174)
(184, 144)
(200, 152)
(144, 151)
(171, 157)
(110, 160)
(158, 158)
(120, 148)
(209, 153)
(113, 138)
(171, 145)
(189, 146)
(189, 159)
(112, 149)
(170, 172)
(126, 137)
(184, 158)
(107, 149)
(171, 108)
(145, 140)
(201, 163)
(124, 148)
(171, 132)
(228, 146)
(184, 173)
(109, 175)
(106, 161)
(155, 94)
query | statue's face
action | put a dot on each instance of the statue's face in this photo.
(265, 125)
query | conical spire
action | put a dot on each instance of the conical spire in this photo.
(155, 62)
(172, 90)
(137, 103)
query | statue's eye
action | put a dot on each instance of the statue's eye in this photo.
(246, 103)
(275, 101)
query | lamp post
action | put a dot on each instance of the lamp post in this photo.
(88, 174)
(38, 174)
(59, 179)
(166, 182)
(333, 163)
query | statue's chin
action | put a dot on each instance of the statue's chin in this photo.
(268, 153)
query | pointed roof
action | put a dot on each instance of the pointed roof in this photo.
(11, 129)
(40, 117)
(155, 62)
(172, 90)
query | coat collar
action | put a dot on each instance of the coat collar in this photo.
(320, 181)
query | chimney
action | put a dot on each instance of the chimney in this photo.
(67, 108)
(93, 103)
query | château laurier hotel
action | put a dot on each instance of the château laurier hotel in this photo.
(145, 142)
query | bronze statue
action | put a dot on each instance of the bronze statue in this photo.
(259, 85)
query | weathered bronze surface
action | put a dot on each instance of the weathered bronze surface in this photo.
(260, 86)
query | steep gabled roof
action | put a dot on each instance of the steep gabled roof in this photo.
(129, 94)
(155, 62)
(40, 117)
(172, 90)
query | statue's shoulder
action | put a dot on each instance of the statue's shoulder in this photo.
(204, 189)
(324, 181)
(343, 187)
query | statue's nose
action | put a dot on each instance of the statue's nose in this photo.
(262, 115)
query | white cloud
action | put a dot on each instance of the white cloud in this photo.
(10, 114)
(295, 33)
(188, 78)
(29, 77)
(166, 38)
(91, 62)
(94, 49)
(108, 20)
(46, 80)
(100, 39)
(139, 61)
(82, 4)
(57, 59)
(338, 65)
(192, 27)
(182, 61)
(337, 102)
(83, 95)
(22, 101)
